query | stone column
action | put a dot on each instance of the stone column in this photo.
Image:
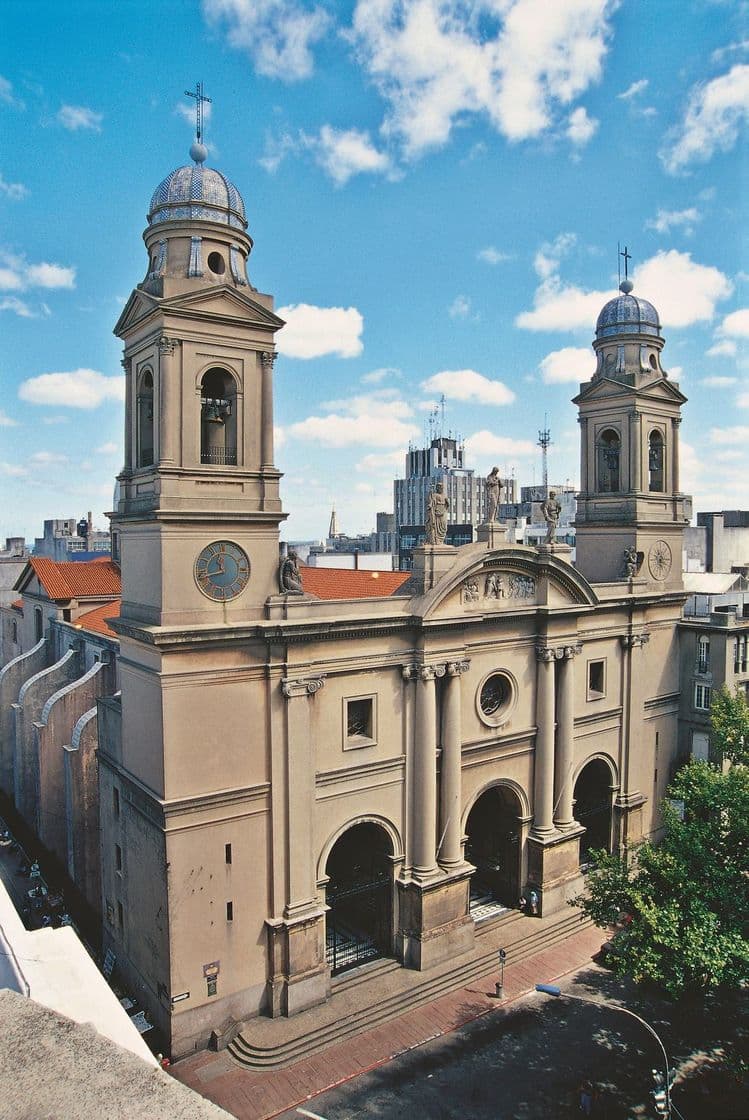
(563, 763)
(674, 487)
(130, 436)
(425, 773)
(267, 358)
(543, 809)
(168, 396)
(302, 888)
(450, 854)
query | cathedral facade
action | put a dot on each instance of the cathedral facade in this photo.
(290, 783)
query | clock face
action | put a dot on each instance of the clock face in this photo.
(659, 560)
(222, 570)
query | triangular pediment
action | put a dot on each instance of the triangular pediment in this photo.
(608, 389)
(222, 303)
(137, 307)
(28, 583)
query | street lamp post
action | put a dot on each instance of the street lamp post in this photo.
(553, 990)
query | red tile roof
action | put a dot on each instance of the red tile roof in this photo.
(96, 620)
(345, 583)
(17, 605)
(77, 580)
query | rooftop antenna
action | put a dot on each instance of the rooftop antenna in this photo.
(442, 420)
(626, 284)
(544, 441)
(198, 151)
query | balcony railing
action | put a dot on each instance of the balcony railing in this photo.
(219, 456)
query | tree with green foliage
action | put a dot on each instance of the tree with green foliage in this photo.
(682, 906)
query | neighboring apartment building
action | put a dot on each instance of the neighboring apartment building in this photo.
(67, 539)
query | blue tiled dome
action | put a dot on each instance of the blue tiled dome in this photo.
(197, 192)
(628, 314)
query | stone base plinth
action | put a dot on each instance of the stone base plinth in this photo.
(300, 977)
(431, 561)
(434, 920)
(493, 534)
(629, 819)
(554, 868)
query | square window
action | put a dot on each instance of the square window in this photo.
(596, 679)
(359, 721)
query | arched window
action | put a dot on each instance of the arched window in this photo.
(218, 418)
(38, 624)
(655, 461)
(145, 420)
(609, 454)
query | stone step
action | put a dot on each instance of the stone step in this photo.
(373, 995)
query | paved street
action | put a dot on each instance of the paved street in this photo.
(529, 1060)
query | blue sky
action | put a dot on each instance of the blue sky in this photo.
(436, 191)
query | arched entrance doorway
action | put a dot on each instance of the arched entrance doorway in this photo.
(359, 896)
(593, 807)
(493, 847)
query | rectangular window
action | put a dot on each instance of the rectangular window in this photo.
(116, 802)
(230, 911)
(596, 679)
(227, 852)
(702, 695)
(703, 655)
(212, 985)
(118, 858)
(359, 721)
(120, 915)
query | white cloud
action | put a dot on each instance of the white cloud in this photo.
(486, 443)
(7, 96)
(683, 291)
(79, 388)
(277, 148)
(725, 348)
(277, 34)
(109, 448)
(736, 325)
(388, 463)
(312, 332)
(346, 152)
(468, 385)
(738, 434)
(742, 400)
(666, 220)
(77, 117)
(460, 308)
(7, 422)
(718, 382)
(519, 64)
(548, 258)
(13, 191)
(732, 48)
(47, 458)
(377, 376)
(55, 419)
(377, 419)
(12, 470)
(633, 90)
(571, 364)
(46, 275)
(562, 308)
(580, 127)
(186, 110)
(490, 255)
(714, 114)
(18, 307)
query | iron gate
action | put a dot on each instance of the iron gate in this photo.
(357, 928)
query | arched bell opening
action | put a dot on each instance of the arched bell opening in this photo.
(655, 462)
(609, 462)
(144, 437)
(218, 418)
(359, 897)
(493, 846)
(593, 807)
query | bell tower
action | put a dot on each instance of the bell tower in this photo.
(199, 509)
(630, 511)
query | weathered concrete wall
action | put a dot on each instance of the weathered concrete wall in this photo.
(12, 678)
(31, 700)
(82, 809)
(53, 732)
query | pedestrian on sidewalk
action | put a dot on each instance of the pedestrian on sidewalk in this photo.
(586, 1098)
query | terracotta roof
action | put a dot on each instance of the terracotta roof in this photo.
(17, 605)
(96, 620)
(344, 583)
(71, 580)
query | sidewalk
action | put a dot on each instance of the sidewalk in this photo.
(251, 1095)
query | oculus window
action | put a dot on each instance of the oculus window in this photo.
(496, 698)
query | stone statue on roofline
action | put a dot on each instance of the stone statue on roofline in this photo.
(289, 579)
(552, 511)
(493, 492)
(436, 518)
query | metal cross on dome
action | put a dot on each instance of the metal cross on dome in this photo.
(199, 99)
(627, 258)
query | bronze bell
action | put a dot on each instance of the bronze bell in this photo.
(213, 414)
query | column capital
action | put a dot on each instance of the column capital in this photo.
(545, 653)
(126, 363)
(568, 652)
(457, 668)
(632, 641)
(168, 345)
(304, 686)
(267, 357)
(430, 672)
(409, 672)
